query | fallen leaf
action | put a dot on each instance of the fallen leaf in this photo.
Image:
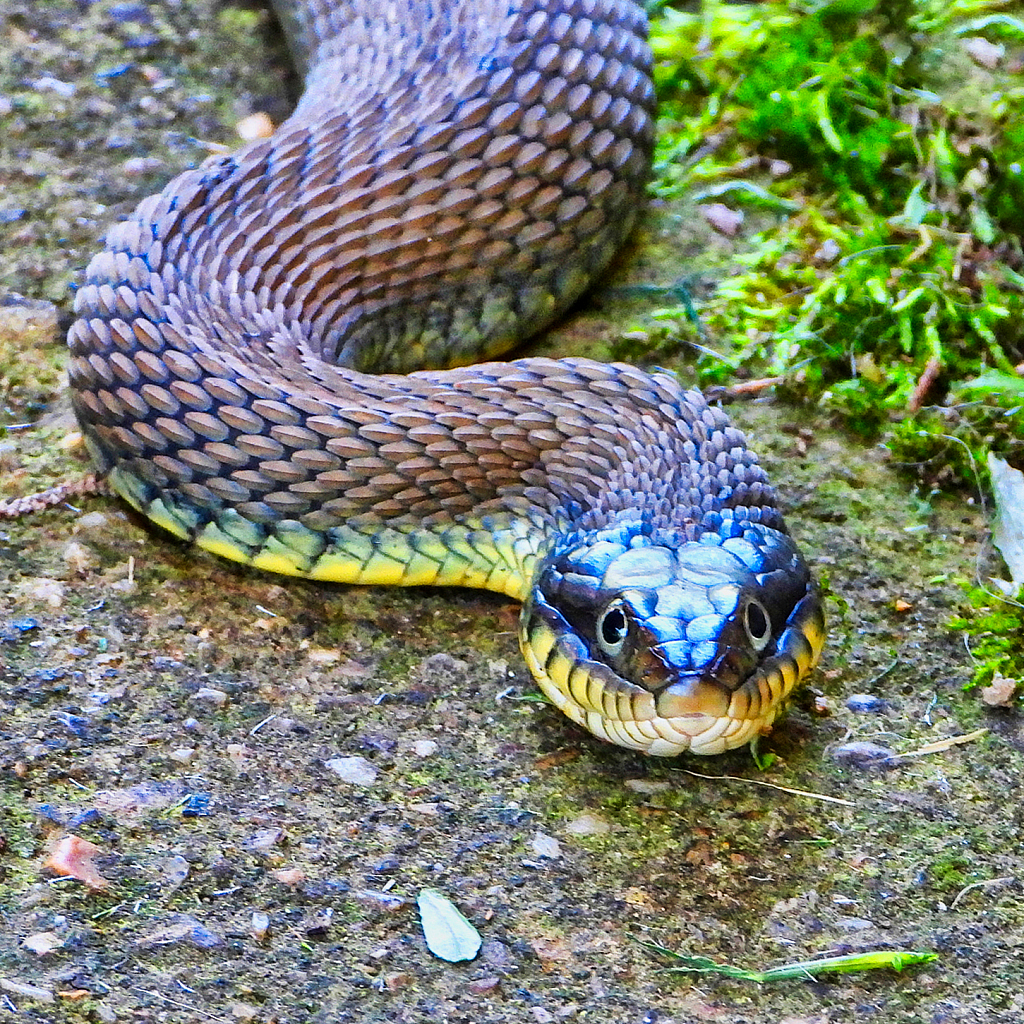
(1000, 692)
(72, 857)
(449, 934)
(1008, 532)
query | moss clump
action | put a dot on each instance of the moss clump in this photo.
(887, 275)
(994, 628)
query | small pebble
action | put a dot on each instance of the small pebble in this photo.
(23, 988)
(212, 696)
(42, 943)
(264, 840)
(318, 924)
(647, 787)
(481, 986)
(983, 53)
(865, 703)
(45, 591)
(139, 165)
(443, 664)
(54, 85)
(164, 664)
(725, 221)
(827, 252)
(425, 748)
(255, 126)
(544, 845)
(854, 924)
(181, 928)
(175, 870)
(863, 754)
(238, 752)
(428, 809)
(259, 926)
(386, 902)
(588, 824)
(92, 521)
(356, 770)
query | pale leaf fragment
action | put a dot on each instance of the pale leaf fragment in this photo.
(1008, 532)
(449, 935)
(73, 857)
(1000, 692)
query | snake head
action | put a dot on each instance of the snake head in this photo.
(667, 644)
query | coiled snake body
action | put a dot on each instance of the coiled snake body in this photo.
(453, 177)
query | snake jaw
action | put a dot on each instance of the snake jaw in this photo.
(708, 637)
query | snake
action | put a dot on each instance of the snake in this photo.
(290, 357)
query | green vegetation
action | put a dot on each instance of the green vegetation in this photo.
(877, 148)
(995, 627)
(802, 970)
(885, 282)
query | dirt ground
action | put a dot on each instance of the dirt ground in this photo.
(180, 713)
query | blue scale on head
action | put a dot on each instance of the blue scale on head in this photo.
(667, 613)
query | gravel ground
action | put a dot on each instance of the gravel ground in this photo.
(271, 770)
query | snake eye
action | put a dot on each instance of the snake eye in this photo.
(612, 629)
(758, 624)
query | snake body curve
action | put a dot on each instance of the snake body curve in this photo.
(244, 366)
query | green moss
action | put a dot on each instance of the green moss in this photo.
(950, 872)
(895, 281)
(993, 629)
(235, 21)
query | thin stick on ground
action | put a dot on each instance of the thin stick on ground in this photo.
(14, 508)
